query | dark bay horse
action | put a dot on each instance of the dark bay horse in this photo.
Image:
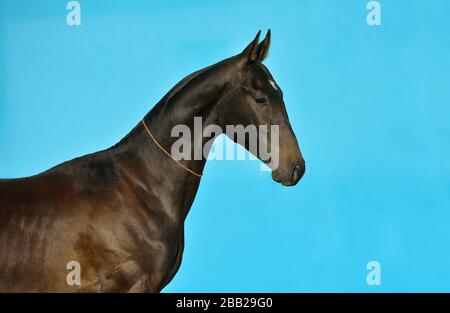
(120, 212)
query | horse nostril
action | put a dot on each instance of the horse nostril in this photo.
(297, 173)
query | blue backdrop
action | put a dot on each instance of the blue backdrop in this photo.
(369, 105)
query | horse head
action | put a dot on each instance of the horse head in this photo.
(256, 99)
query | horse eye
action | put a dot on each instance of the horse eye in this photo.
(261, 100)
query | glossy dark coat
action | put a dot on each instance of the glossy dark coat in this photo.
(120, 212)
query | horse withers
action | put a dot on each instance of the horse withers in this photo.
(119, 213)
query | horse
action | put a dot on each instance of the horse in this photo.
(119, 213)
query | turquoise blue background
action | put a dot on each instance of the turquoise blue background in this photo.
(370, 107)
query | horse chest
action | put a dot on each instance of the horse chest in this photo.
(161, 245)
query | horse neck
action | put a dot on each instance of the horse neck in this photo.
(197, 98)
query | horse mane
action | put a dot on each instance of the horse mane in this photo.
(185, 81)
(168, 96)
(182, 83)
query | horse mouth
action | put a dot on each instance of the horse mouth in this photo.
(296, 174)
(287, 183)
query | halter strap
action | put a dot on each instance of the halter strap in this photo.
(167, 153)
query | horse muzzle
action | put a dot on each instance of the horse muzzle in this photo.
(292, 176)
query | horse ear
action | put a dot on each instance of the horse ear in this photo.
(263, 47)
(250, 53)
